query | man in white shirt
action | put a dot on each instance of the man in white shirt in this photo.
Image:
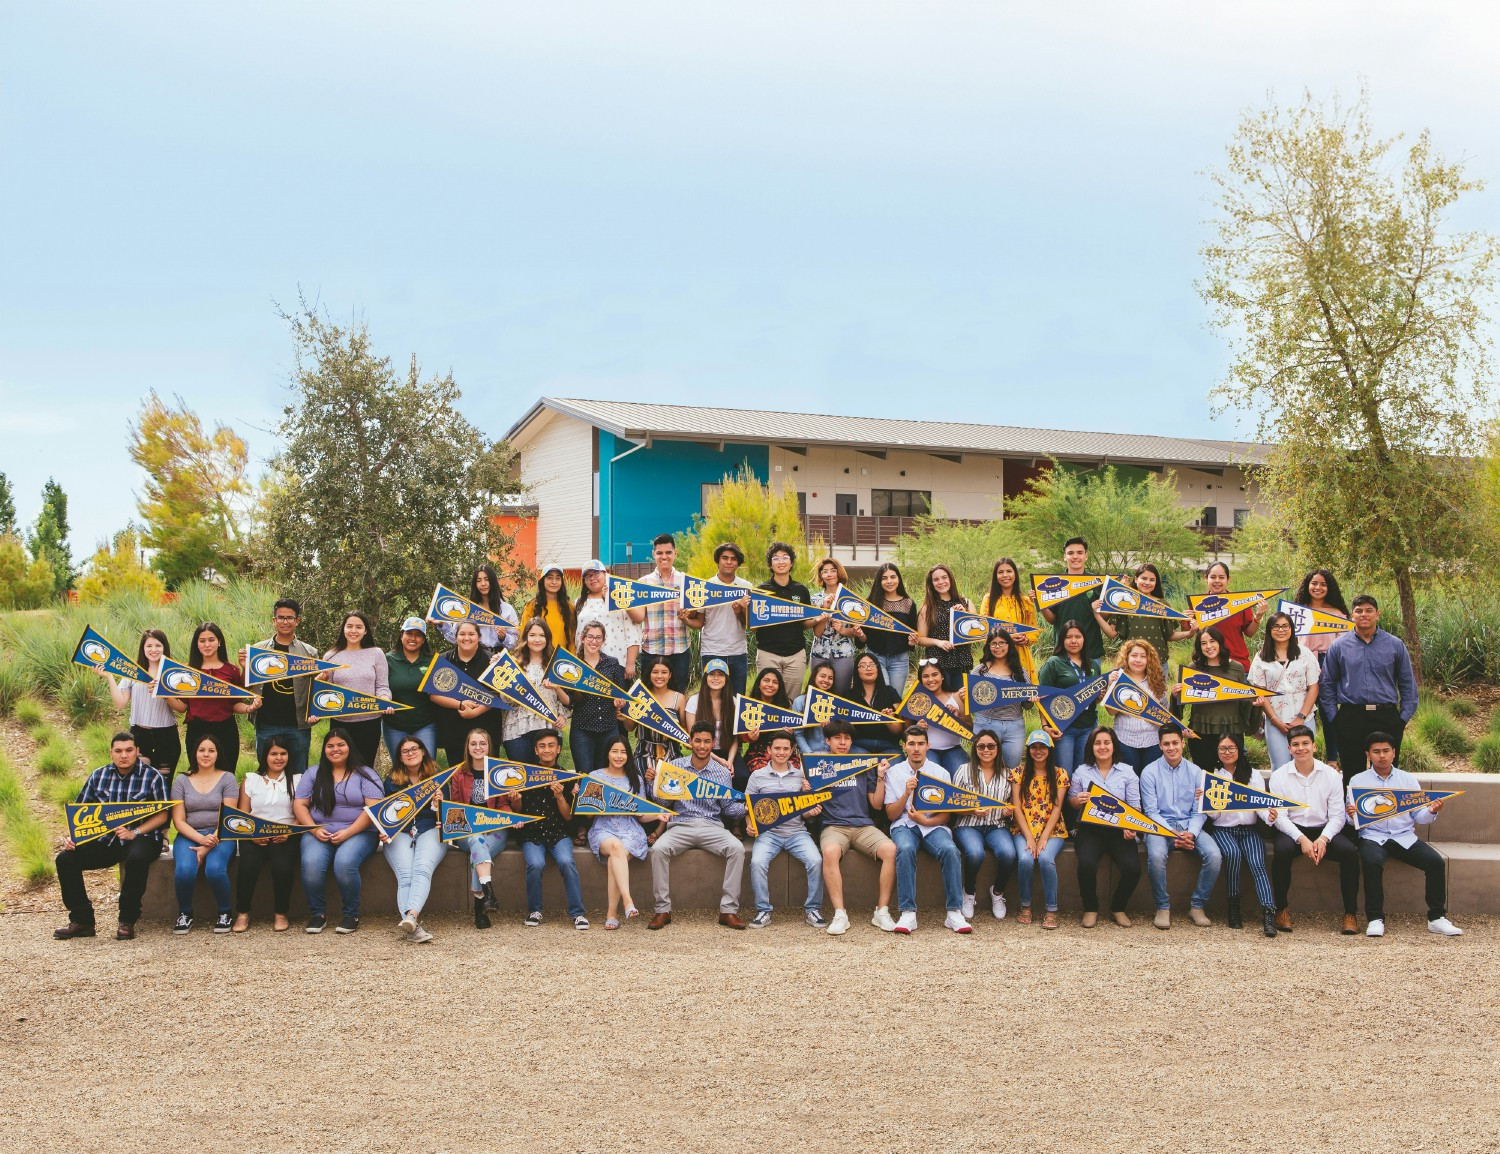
(912, 831)
(1314, 828)
(722, 627)
(1396, 837)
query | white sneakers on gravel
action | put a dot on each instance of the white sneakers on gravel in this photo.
(406, 925)
(1445, 927)
(907, 922)
(997, 905)
(420, 936)
(1376, 928)
(883, 921)
(956, 922)
(968, 905)
(840, 923)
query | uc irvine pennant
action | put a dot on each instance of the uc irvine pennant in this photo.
(1221, 794)
(702, 593)
(506, 677)
(628, 593)
(751, 716)
(645, 710)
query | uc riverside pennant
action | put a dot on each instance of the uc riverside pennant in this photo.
(574, 673)
(933, 795)
(1211, 607)
(920, 705)
(263, 665)
(857, 611)
(823, 707)
(89, 820)
(502, 776)
(751, 716)
(448, 606)
(1051, 590)
(970, 627)
(458, 820)
(392, 814)
(1119, 598)
(447, 680)
(93, 652)
(237, 825)
(1372, 805)
(674, 783)
(1225, 795)
(1104, 808)
(627, 593)
(1310, 622)
(179, 680)
(333, 701)
(506, 677)
(600, 799)
(765, 811)
(767, 610)
(646, 710)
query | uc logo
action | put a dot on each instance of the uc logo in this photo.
(932, 794)
(396, 809)
(1219, 794)
(1131, 697)
(854, 610)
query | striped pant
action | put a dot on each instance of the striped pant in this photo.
(1242, 844)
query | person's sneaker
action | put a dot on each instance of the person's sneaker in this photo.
(968, 905)
(223, 924)
(1198, 917)
(182, 925)
(580, 922)
(346, 926)
(840, 923)
(816, 919)
(907, 922)
(1445, 927)
(1376, 928)
(407, 925)
(761, 920)
(956, 922)
(534, 918)
(420, 935)
(997, 905)
(883, 920)
(315, 924)
(1162, 920)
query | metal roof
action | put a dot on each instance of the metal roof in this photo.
(643, 422)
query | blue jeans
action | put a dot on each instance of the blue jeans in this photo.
(972, 841)
(535, 853)
(345, 859)
(299, 739)
(1157, 849)
(1026, 864)
(799, 844)
(521, 748)
(1278, 750)
(215, 869)
(1070, 747)
(896, 670)
(739, 667)
(1012, 735)
(413, 861)
(588, 748)
(939, 844)
(1135, 756)
(394, 736)
(482, 847)
(952, 759)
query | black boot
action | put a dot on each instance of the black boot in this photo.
(1235, 921)
(481, 919)
(491, 903)
(1268, 914)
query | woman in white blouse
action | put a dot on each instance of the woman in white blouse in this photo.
(1237, 834)
(622, 627)
(1289, 675)
(267, 793)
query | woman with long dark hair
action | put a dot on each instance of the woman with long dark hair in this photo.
(1236, 629)
(1006, 601)
(1070, 666)
(1091, 842)
(332, 798)
(1003, 658)
(414, 853)
(197, 848)
(985, 829)
(1212, 719)
(892, 650)
(871, 690)
(1320, 590)
(714, 705)
(943, 745)
(651, 746)
(457, 715)
(520, 726)
(615, 840)
(153, 723)
(484, 591)
(1289, 675)
(766, 687)
(1238, 834)
(934, 621)
(1037, 791)
(365, 669)
(215, 716)
(810, 738)
(266, 793)
(554, 605)
(1158, 632)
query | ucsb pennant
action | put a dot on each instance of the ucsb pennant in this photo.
(1119, 598)
(765, 811)
(1058, 587)
(506, 678)
(1128, 696)
(263, 665)
(763, 610)
(643, 709)
(1372, 805)
(237, 825)
(1061, 706)
(574, 673)
(447, 680)
(751, 716)
(1310, 622)
(823, 707)
(934, 795)
(628, 593)
(600, 799)
(857, 611)
(502, 776)
(701, 593)
(453, 607)
(392, 814)
(1104, 808)
(1225, 795)
(1198, 685)
(94, 652)
(823, 770)
(920, 705)
(674, 783)
(986, 692)
(964, 626)
(1211, 607)
(90, 820)
(458, 820)
(178, 680)
(328, 700)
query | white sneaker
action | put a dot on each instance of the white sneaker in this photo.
(997, 905)
(1376, 928)
(420, 935)
(968, 905)
(907, 922)
(407, 925)
(840, 923)
(1445, 927)
(956, 922)
(882, 920)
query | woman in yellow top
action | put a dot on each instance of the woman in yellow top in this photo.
(553, 605)
(1007, 601)
(1037, 792)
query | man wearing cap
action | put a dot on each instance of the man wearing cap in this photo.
(722, 627)
(406, 665)
(283, 702)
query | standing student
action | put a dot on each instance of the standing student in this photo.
(714, 705)
(912, 830)
(664, 632)
(782, 775)
(847, 825)
(457, 715)
(986, 829)
(549, 836)
(554, 605)
(935, 620)
(365, 670)
(810, 738)
(1367, 686)
(1091, 841)
(1135, 737)
(1080, 606)
(470, 786)
(651, 746)
(783, 647)
(1007, 601)
(1320, 590)
(1313, 828)
(722, 627)
(405, 666)
(943, 745)
(892, 650)
(332, 797)
(755, 749)
(835, 641)
(871, 690)
(153, 723)
(1158, 632)
(1289, 675)
(215, 716)
(1038, 788)
(1169, 795)
(283, 702)
(520, 726)
(1237, 628)
(1070, 666)
(622, 627)
(596, 720)
(414, 853)
(1213, 719)
(1237, 834)
(197, 848)
(1003, 658)
(484, 591)
(266, 793)
(616, 839)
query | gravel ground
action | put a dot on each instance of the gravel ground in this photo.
(701, 1039)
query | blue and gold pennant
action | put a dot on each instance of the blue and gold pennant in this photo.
(921, 705)
(94, 652)
(573, 673)
(89, 820)
(822, 707)
(263, 665)
(765, 811)
(752, 716)
(966, 627)
(764, 609)
(444, 679)
(1372, 805)
(458, 820)
(676, 783)
(986, 692)
(506, 677)
(1220, 794)
(393, 813)
(628, 593)
(703, 593)
(326, 700)
(451, 608)
(1104, 808)
(1129, 696)
(1061, 706)
(238, 825)
(178, 680)
(1119, 598)
(502, 775)
(854, 609)
(643, 709)
(600, 799)
(934, 795)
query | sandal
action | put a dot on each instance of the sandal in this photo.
(1024, 917)
(1049, 921)
(611, 923)
(632, 912)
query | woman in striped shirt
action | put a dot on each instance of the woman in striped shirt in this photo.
(985, 829)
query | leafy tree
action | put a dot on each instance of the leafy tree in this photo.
(382, 488)
(969, 550)
(116, 567)
(24, 583)
(7, 507)
(48, 539)
(196, 499)
(751, 515)
(1357, 329)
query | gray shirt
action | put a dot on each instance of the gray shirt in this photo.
(201, 810)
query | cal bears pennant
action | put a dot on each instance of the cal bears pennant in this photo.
(574, 673)
(1129, 696)
(1211, 607)
(502, 775)
(1372, 805)
(327, 700)
(1119, 598)
(1058, 587)
(986, 692)
(1104, 808)
(964, 626)
(751, 716)
(237, 825)
(1199, 686)
(827, 769)
(1310, 622)
(677, 783)
(767, 610)
(1225, 795)
(628, 593)
(934, 795)
(823, 707)
(178, 680)
(94, 652)
(645, 710)
(920, 705)
(1061, 706)
(263, 665)
(457, 820)
(507, 678)
(765, 811)
(394, 813)
(857, 611)
(448, 606)
(701, 593)
(600, 799)
(90, 820)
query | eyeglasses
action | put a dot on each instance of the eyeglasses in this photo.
(285, 617)
(987, 747)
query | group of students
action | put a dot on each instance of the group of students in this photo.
(1361, 684)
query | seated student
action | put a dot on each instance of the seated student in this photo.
(1038, 787)
(1396, 837)
(548, 837)
(1315, 828)
(698, 825)
(1169, 794)
(414, 853)
(1092, 841)
(944, 747)
(911, 831)
(197, 847)
(847, 825)
(126, 778)
(469, 786)
(617, 839)
(1237, 834)
(266, 793)
(986, 829)
(781, 775)
(332, 796)
(810, 738)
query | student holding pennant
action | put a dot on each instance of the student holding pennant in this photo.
(716, 608)
(890, 625)
(594, 683)
(1001, 664)
(664, 630)
(332, 797)
(1288, 676)
(939, 712)
(760, 717)
(1038, 788)
(1213, 711)
(213, 687)
(283, 690)
(810, 738)
(986, 825)
(1134, 612)
(622, 627)
(1137, 734)
(1234, 822)
(616, 834)
(200, 792)
(1311, 825)
(266, 797)
(1237, 615)
(1070, 668)
(1008, 603)
(782, 645)
(406, 824)
(876, 727)
(1071, 596)
(363, 669)
(1321, 615)
(836, 638)
(780, 829)
(521, 677)
(1169, 797)
(496, 621)
(553, 605)
(913, 829)
(654, 709)
(1367, 685)
(847, 825)
(451, 682)
(1101, 771)
(548, 802)
(152, 719)
(953, 655)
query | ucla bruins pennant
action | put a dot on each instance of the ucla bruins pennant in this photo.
(573, 673)
(93, 652)
(702, 593)
(1104, 808)
(986, 692)
(394, 813)
(1372, 805)
(502, 775)
(920, 705)
(89, 820)
(600, 799)
(263, 665)
(1225, 795)
(752, 716)
(964, 626)
(934, 795)
(854, 609)
(178, 680)
(1211, 607)
(450, 607)
(824, 770)
(506, 677)
(457, 820)
(643, 709)
(767, 610)
(1199, 686)
(823, 707)
(627, 593)
(237, 825)
(765, 811)
(675, 783)
(327, 700)
(1120, 599)
(1062, 706)
(1056, 588)
(1310, 622)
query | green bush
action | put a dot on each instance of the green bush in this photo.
(1460, 631)
(96, 742)
(56, 758)
(1462, 707)
(1417, 756)
(1486, 756)
(29, 714)
(12, 686)
(1495, 721)
(1440, 730)
(84, 696)
(28, 838)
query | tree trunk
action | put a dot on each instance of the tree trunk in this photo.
(1409, 616)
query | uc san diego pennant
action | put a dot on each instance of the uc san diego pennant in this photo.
(453, 607)
(643, 709)
(627, 593)
(94, 652)
(751, 716)
(1104, 808)
(237, 825)
(1211, 607)
(178, 680)
(826, 769)
(574, 673)
(1199, 685)
(1052, 589)
(444, 679)
(263, 665)
(1119, 598)
(459, 820)
(392, 814)
(1372, 805)
(89, 820)
(506, 677)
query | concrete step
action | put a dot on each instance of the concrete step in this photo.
(1474, 817)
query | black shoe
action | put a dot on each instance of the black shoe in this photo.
(491, 902)
(346, 925)
(315, 923)
(223, 924)
(183, 924)
(1268, 915)
(481, 919)
(74, 930)
(1234, 921)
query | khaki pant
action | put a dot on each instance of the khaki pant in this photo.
(696, 834)
(867, 839)
(792, 669)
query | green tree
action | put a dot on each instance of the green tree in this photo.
(1358, 336)
(117, 567)
(48, 539)
(970, 551)
(382, 487)
(24, 582)
(7, 507)
(751, 515)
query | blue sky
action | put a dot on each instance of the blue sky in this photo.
(894, 209)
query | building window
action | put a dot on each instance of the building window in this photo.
(1240, 517)
(899, 502)
(709, 493)
(1209, 518)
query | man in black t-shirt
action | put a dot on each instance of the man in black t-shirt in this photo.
(784, 647)
(283, 703)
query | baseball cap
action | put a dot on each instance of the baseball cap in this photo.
(594, 565)
(717, 665)
(1039, 737)
(552, 569)
(414, 623)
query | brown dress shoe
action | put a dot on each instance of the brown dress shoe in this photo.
(125, 932)
(1284, 921)
(732, 921)
(659, 921)
(1351, 925)
(73, 930)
